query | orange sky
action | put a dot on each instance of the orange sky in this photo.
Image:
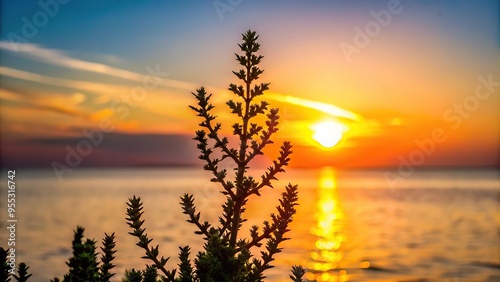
(423, 89)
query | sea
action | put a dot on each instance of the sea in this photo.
(351, 225)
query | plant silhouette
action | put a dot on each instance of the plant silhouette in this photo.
(226, 255)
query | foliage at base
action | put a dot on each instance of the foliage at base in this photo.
(226, 255)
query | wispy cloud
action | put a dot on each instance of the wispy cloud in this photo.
(61, 82)
(59, 58)
(60, 104)
(155, 103)
(316, 105)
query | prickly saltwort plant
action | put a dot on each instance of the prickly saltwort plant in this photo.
(227, 256)
(83, 265)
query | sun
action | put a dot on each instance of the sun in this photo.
(328, 133)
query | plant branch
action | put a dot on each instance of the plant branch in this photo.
(187, 202)
(134, 212)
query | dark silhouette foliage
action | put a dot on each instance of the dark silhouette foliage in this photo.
(5, 266)
(83, 265)
(226, 255)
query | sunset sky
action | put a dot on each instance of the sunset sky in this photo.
(402, 81)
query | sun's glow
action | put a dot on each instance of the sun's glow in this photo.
(328, 133)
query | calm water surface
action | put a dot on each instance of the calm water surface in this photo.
(350, 226)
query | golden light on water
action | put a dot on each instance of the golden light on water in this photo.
(328, 254)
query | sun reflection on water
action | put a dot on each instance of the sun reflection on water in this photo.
(326, 259)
